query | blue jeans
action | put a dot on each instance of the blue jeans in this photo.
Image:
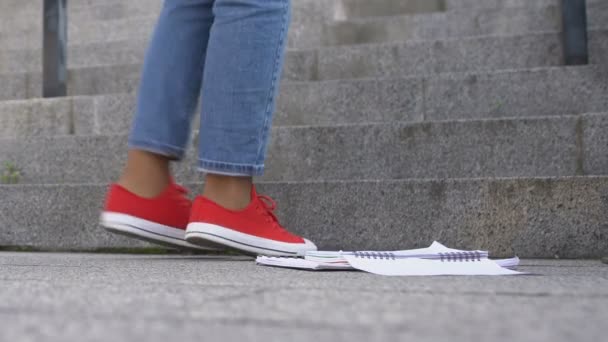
(230, 52)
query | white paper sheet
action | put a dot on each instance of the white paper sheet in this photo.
(423, 267)
(429, 261)
(301, 263)
(291, 262)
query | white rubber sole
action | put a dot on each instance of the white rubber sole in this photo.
(149, 231)
(198, 232)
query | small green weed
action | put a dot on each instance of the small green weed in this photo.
(498, 106)
(10, 174)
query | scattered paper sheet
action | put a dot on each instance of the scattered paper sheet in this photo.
(426, 267)
(433, 260)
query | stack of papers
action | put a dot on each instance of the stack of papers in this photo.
(434, 260)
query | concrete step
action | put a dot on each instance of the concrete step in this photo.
(29, 18)
(454, 24)
(317, 10)
(306, 33)
(370, 60)
(376, 60)
(542, 92)
(475, 4)
(428, 57)
(527, 92)
(98, 23)
(530, 217)
(91, 10)
(546, 146)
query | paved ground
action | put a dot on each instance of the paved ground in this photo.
(85, 297)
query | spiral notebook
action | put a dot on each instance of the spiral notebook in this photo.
(433, 260)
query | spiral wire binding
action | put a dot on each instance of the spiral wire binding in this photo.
(375, 255)
(460, 256)
(443, 257)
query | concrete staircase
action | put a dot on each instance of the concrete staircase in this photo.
(399, 122)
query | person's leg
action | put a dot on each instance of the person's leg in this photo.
(240, 84)
(146, 203)
(246, 45)
(168, 94)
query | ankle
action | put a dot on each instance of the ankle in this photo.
(146, 174)
(229, 192)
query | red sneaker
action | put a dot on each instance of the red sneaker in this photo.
(254, 230)
(160, 220)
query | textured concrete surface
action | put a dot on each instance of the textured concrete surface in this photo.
(540, 92)
(596, 162)
(528, 216)
(533, 217)
(458, 4)
(133, 27)
(551, 146)
(461, 23)
(547, 90)
(75, 297)
(90, 10)
(47, 117)
(458, 23)
(370, 60)
(427, 57)
(386, 7)
(485, 53)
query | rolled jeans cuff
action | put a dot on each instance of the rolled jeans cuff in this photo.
(156, 147)
(230, 169)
